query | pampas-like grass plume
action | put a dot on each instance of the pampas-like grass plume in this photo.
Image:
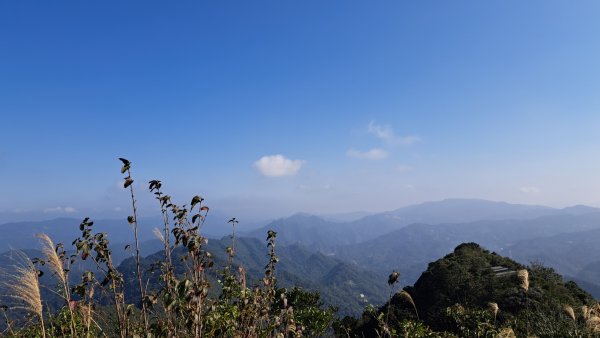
(570, 312)
(524, 278)
(159, 235)
(23, 286)
(506, 332)
(408, 298)
(56, 265)
(494, 309)
(54, 262)
(585, 312)
(593, 323)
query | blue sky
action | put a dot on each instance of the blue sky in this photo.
(272, 107)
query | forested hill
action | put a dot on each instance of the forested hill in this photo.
(339, 283)
(474, 292)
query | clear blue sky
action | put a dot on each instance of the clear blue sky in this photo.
(371, 105)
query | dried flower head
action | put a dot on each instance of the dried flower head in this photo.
(523, 276)
(494, 308)
(569, 311)
(393, 278)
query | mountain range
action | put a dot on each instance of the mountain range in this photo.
(374, 244)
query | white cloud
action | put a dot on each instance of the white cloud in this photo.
(386, 133)
(61, 210)
(277, 166)
(372, 154)
(530, 190)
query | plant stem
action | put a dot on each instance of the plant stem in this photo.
(137, 254)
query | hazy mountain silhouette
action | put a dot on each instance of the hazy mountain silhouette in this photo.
(315, 232)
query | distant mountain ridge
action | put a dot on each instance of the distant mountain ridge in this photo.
(405, 239)
(321, 234)
(21, 235)
(412, 247)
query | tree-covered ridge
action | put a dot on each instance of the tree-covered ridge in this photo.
(473, 292)
(339, 283)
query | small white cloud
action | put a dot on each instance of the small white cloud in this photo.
(383, 132)
(386, 133)
(372, 154)
(529, 190)
(60, 210)
(277, 166)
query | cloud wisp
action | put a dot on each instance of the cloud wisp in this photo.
(386, 133)
(60, 210)
(529, 190)
(278, 166)
(372, 154)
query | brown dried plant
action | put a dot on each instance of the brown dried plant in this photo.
(406, 296)
(494, 309)
(570, 312)
(523, 276)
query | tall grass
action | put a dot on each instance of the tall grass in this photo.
(56, 265)
(22, 285)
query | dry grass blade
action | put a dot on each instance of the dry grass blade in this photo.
(159, 235)
(523, 276)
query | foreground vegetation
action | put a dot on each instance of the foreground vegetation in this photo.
(469, 293)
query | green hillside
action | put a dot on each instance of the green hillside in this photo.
(339, 283)
(454, 294)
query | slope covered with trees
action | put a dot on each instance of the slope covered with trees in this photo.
(476, 293)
